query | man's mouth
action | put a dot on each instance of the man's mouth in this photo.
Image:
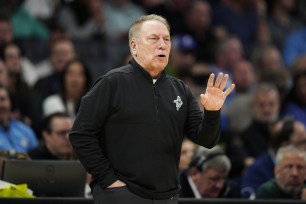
(161, 55)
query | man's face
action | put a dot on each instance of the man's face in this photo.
(6, 35)
(266, 106)
(3, 74)
(210, 183)
(75, 80)
(298, 137)
(62, 52)
(187, 152)
(5, 105)
(151, 47)
(57, 140)
(13, 59)
(290, 174)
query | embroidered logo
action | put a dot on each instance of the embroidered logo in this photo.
(178, 103)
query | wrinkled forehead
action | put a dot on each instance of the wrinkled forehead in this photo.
(153, 27)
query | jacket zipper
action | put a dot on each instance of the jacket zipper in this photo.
(156, 95)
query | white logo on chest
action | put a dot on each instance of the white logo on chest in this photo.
(178, 103)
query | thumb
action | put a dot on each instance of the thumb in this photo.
(203, 99)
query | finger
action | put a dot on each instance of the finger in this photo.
(218, 80)
(229, 90)
(210, 82)
(203, 99)
(224, 81)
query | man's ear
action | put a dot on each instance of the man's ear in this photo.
(133, 47)
(45, 135)
(194, 171)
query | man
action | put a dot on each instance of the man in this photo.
(14, 134)
(130, 126)
(61, 52)
(284, 132)
(290, 174)
(55, 133)
(265, 107)
(207, 176)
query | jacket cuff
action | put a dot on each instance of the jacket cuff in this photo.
(211, 115)
(107, 180)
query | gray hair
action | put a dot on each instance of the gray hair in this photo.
(134, 29)
(288, 149)
(219, 162)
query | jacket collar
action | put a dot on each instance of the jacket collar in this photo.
(140, 70)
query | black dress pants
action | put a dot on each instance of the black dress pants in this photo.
(121, 195)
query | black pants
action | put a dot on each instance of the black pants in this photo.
(121, 195)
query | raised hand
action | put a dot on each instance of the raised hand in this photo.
(214, 97)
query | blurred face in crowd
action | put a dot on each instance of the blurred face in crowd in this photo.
(298, 137)
(62, 52)
(210, 183)
(6, 35)
(266, 106)
(151, 46)
(290, 173)
(3, 74)
(13, 59)
(243, 76)
(272, 59)
(187, 151)
(75, 80)
(5, 106)
(301, 89)
(57, 139)
(199, 16)
(287, 5)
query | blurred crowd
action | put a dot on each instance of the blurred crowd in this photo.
(52, 51)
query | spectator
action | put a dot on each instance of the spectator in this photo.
(14, 134)
(6, 33)
(119, 15)
(182, 56)
(24, 25)
(84, 19)
(12, 55)
(299, 64)
(284, 132)
(238, 109)
(281, 22)
(75, 81)
(267, 58)
(207, 176)
(56, 146)
(62, 51)
(187, 151)
(295, 104)
(265, 107)
(228, 52)
(238, 18)
(20, 92)
(290, 174)
(197, 21)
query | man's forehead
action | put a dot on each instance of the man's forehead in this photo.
(154, 27)
(293, 157)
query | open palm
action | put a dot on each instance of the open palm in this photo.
(214, 97)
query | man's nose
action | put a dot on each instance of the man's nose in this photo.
(294, 171)
(162, 43)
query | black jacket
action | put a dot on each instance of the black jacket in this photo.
(130, 129)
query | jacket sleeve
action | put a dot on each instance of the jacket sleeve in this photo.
(86, 132)
(202, 129)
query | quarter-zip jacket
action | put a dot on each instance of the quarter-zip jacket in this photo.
(130, 129)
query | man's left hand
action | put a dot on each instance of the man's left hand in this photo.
(214, 97)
